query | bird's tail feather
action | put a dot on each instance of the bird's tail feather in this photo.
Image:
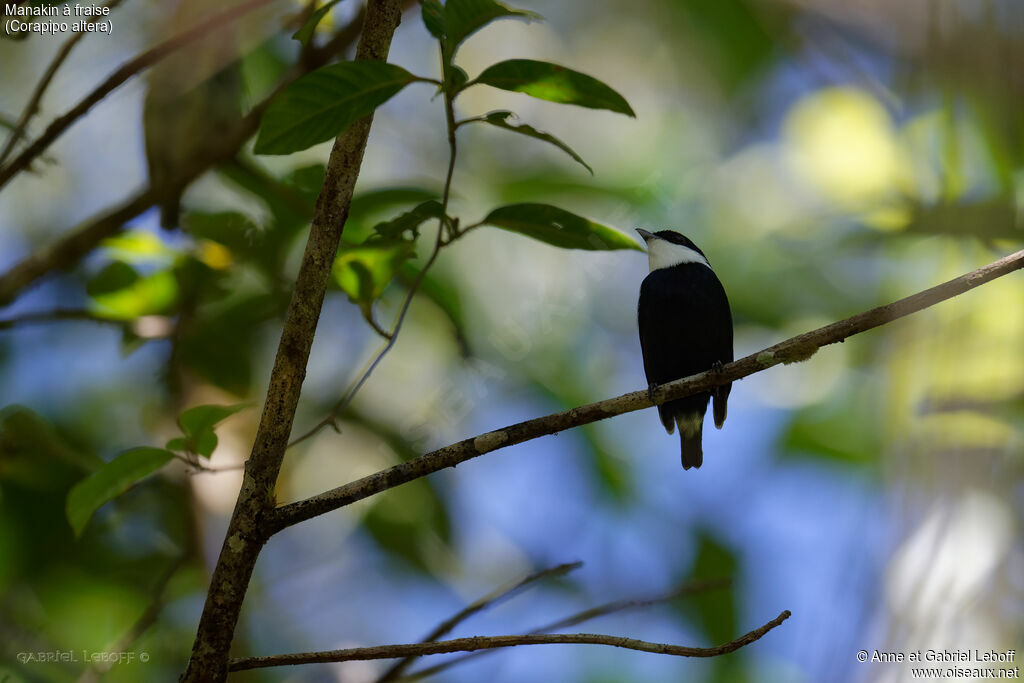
(690, 436)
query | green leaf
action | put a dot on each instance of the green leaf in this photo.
(113, 277)
(462, 18)
(137, 246)
(26, 433)
(110, 481)
(410, 220)
(176, 444)
(363, 272)
(147, 295)
(554, 83)
(234, 230)
(219, 344)
(322, 104)
(558, 227)
(500, 119)
(370, 201)
(309, 28)
(206, 443)
(457, 79)
(197, 424)
(433, 17)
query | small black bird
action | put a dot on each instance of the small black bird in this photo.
(685, 328)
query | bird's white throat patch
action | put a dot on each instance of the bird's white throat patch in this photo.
(664, 254)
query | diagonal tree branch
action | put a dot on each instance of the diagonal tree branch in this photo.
(123, 73)
(688, 588)
(245, 536)
(792, 350)
(69, 249)
(486, 602)
(491, 642)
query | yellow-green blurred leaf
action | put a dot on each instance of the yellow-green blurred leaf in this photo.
(110, 481)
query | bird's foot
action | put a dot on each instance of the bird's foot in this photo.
(650, 391)
(717, 367)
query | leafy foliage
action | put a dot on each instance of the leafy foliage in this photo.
(363, 272)
(151, 294)
(410, 221)
(197, 425)
(322, 104)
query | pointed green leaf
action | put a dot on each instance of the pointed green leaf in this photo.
(199, 419)
(433, 17)
(465, 17)
(309, 28)
(26, 434)
(322, 104)
(197, 424)
(410, 220)
(363, 272)
(554, 83)
(146, 295)
(110, 481)
(176, 444)
(500, 119)
(457, 79)
(558, 227)
(206, 443)
(371, 201)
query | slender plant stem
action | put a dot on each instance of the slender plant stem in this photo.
(688, 588)
(486, 602)
(58, 315)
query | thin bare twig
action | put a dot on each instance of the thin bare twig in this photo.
(486, 602)
(19, 129)
(123, 73)
(58, 315)
(792, 350)
(688, 588)
(491, 642)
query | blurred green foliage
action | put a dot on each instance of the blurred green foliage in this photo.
(823, 167)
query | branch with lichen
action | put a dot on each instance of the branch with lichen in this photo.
(795, 349)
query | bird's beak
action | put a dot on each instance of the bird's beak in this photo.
(646, 235)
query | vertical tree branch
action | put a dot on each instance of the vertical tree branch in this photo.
(245, 535)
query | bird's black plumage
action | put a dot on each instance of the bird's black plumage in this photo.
(685, 328)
